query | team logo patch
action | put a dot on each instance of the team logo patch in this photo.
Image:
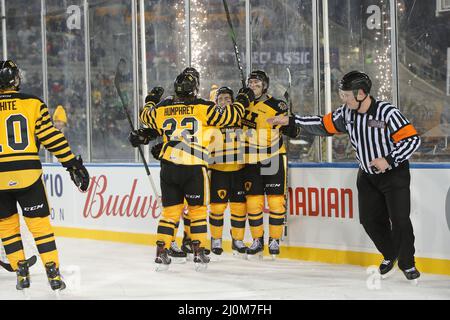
(283, 106)
(13, 183)
(247, 186)
(12, 64)
(222, 193)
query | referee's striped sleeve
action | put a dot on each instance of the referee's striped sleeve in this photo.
(51, 138)
(404, 136)
(148, 116)
(227, 116)
(326, 125)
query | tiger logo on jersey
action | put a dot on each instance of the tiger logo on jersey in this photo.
(222, 193)
(283, 106)
(247, 185)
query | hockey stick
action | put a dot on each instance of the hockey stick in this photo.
(288, 91)
(233, 39)
(289, 102)
(122, 62)
(31, 261)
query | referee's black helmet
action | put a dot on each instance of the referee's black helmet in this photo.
(355, 80)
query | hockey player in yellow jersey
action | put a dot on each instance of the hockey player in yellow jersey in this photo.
(183, 121)
(265, 172)
(227, 185)
(144, 136)
(25, 122)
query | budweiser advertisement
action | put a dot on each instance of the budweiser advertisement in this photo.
(322, 206)
(118, 199)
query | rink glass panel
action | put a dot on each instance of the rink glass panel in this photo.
(166, 45)
(423, 63)
(212, 50)
(24, 46)
(282, 37)
(110, 32)
(1, 42)
(66, 70)
(359, 39)
(23, 28)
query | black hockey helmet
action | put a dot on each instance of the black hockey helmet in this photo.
(194, 72)
(186, 85)
(355, 80)
(260, 75)
(9, 75)
(224, 90)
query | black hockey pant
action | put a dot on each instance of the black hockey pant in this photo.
(384, 209)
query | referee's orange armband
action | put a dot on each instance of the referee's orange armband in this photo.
(328, 123)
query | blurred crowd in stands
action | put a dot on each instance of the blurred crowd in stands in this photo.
(423, 42)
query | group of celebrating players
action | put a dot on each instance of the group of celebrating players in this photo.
(216, 153)
(229, 151)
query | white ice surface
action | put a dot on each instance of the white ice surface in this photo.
(110, 270)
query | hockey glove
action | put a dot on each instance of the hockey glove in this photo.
(78, 173)
(142, 136)
(154, 95)
(291, 130)
(245, 96)
(156, 150)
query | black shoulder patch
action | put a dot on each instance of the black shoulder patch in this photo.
(166, 102)
(23, 96)
(278, 105)
(203, 101)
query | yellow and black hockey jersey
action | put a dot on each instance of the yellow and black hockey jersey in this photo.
(188, 127)
(263, 141)
(227, 150)
(24, 123)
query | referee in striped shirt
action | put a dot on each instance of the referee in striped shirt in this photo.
(383, 140)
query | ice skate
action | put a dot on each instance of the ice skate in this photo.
(256, 249)
(412, 274)
(23, 275)
(162, 259)
(386, 268)
(54, 277)
(274, 247)
(177, 255)
(239, 249)
(216, 248)
(201, 260)
(186, 248)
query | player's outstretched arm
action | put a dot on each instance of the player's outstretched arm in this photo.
(51, 138)
(148, 113)
(55, 142)
(326, 125)
(232, 114)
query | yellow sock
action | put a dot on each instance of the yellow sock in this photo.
(43, 235)
(12, 240)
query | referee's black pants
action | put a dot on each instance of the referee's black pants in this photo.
(384, 209)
